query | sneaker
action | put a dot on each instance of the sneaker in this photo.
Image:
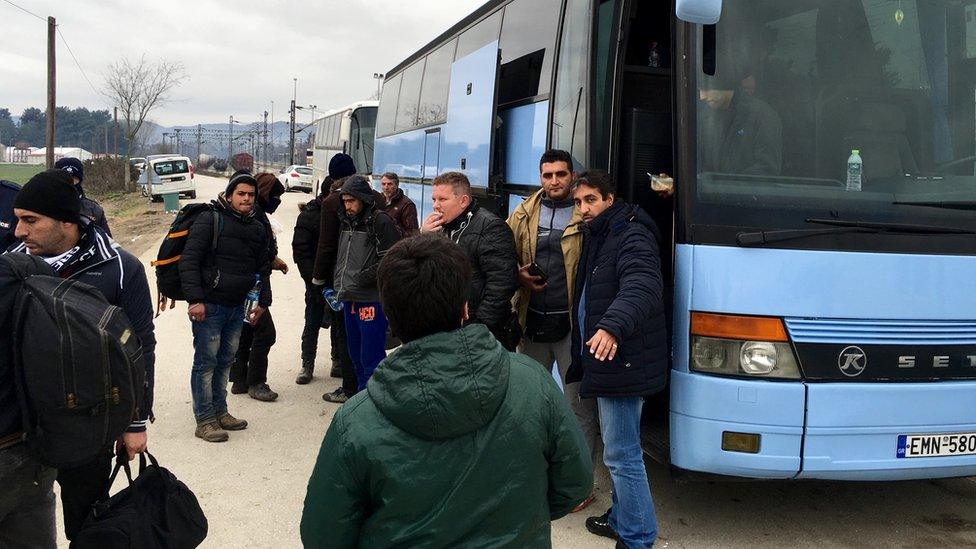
(336, 370)
(338, 396)
(585, 503)
(601, 526)
(238, 388)
(262, 392)
(305, 376)
(211, 432)
(230, 422)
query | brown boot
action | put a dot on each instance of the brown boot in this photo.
(211, 432)
(230, 422)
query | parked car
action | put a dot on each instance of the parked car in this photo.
(299, 178)
(138, 163)
(168, 174)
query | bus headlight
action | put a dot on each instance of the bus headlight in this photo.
(766, 359)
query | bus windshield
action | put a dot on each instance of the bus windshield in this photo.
(853, 110)
(362, 133)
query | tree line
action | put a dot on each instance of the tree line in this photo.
(73, 128)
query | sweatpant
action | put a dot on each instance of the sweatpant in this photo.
(26, 501)
(340, 353)
(314, 311)
(251, 362)
(366, 337)
(82, 487)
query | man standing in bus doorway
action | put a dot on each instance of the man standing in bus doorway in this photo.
(548, 242)
(490, 246)
(620, 350)
(401, 209)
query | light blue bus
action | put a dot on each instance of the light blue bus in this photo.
(819, 246)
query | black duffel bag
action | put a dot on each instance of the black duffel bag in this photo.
(155, 510)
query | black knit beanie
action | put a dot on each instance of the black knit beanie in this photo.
(240, 176)
(51, 193)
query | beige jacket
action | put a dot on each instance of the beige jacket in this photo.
(524, 222)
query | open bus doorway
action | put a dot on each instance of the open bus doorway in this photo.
(640, 142)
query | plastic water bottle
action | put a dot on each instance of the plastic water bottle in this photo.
(253, 295)
(654, 56)
(855, 167)
(330, 297)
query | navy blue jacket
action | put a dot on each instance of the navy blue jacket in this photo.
(121, 278)
(619, 287)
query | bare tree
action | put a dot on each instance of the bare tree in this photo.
(137, 87)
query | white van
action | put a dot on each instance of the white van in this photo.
(169, 174)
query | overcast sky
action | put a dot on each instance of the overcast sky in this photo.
(239, 55)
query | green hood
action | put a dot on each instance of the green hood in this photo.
(444, 385)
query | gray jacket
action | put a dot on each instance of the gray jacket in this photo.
(363, 241)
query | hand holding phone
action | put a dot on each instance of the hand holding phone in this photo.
(535, 270)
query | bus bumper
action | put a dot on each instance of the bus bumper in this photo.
(703, 407)
(830, 431)
(852, 429)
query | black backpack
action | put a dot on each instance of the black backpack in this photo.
(156, 510)
(77, 366)
(8, 192)
(167, 262)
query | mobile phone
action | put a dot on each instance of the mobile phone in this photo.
(535, 270)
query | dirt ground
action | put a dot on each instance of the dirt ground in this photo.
(136, 223)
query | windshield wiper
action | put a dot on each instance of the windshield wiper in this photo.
(758, 238)
(892, 227)
(947, 204)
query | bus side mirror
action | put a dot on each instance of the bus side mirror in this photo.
(703, 12)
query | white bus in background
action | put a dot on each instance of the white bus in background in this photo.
(350, 130)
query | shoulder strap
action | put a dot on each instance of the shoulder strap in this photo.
(218, 225)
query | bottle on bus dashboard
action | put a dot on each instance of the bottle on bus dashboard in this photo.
(253, 295)
(855, 167)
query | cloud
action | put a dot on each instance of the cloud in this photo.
(239, 55)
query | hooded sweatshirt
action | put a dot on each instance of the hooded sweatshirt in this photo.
(363, 241)
(455, 443)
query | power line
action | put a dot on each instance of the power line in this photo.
(75, 59)
(25, 10)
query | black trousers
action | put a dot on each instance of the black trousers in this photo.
(82, 487)
(251, 363)
(340, 353)
(314, 311)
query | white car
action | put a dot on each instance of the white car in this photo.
(299, 178)
(169, 174)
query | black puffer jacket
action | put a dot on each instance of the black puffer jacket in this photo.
(620, 273)
(226, 275)
(305, 241)
(363, 241)
(92, 210)
(490, 245)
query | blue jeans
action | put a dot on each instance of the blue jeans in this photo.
(214, 343)
(366, 337)
(632, 515)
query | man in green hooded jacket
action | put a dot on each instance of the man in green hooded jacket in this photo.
(455, 442)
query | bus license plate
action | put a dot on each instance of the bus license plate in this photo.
(949, 444)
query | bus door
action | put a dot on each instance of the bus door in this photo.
(432, 145)
(468, 137)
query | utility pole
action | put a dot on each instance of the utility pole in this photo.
(199, 129)
(265, 147)
(230, 138)
(105, 150)
(51, 88)
(272, 133)
(291, 135)
(115, 131)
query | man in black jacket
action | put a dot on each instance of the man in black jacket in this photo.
(90, 208)
(620, 351)
(303, 245)
(249, 372)
(367, 233)
(49, 226)
(490, 246)
(216, 284)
